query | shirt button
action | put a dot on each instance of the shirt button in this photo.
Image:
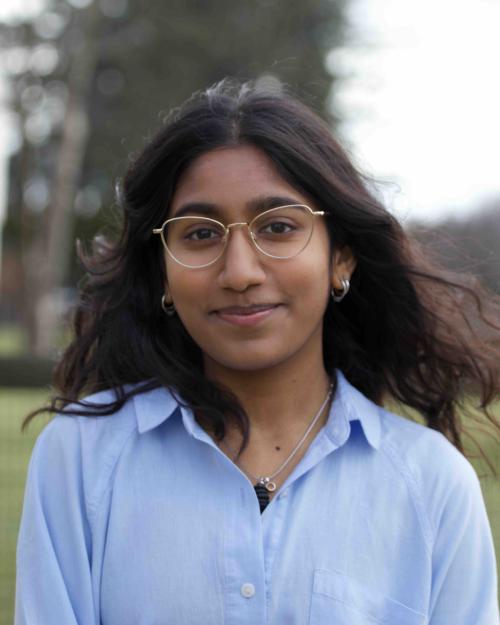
(284, 494)
(247, 590)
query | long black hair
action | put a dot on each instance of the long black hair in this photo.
(407, 330)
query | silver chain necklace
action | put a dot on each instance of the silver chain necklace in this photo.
(264, 482)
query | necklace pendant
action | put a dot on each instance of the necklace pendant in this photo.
(268, 485)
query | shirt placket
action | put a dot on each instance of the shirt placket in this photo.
(251, 540)
(244, 586)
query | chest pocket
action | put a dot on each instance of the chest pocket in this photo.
(342, 600)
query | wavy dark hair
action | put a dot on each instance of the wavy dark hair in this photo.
(408, 330)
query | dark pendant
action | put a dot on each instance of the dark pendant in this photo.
(262, 495)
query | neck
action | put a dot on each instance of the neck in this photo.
(280, 401)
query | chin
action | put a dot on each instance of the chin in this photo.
(247, 360)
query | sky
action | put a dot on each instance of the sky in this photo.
(419, 99)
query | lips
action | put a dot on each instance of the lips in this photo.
(245, 310)
(246, 316)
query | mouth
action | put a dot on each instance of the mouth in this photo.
(246, 315)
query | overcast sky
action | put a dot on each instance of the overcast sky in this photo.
(421, 100)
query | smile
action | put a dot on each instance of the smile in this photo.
(249, 317)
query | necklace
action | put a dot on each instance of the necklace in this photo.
(265, 484)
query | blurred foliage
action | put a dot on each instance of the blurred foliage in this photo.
(469, 245)
(146, 58)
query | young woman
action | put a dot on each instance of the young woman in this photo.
(234, 463)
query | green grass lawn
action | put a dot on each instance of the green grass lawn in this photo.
(15, 449)
(12, 340)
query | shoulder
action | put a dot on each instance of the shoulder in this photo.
(435, 470)
(425, 451)
(88, 447)
(70, 430)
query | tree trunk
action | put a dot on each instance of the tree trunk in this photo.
(53, 249)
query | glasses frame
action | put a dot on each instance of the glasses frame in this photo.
(227, 228)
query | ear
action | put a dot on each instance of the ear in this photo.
(343, 266)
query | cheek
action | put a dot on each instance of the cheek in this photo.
(311, 291)
(311, 274)
(187, 287)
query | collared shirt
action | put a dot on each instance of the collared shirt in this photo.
(138, 518)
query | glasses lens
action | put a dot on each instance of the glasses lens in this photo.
(283, 232)
(194, 241)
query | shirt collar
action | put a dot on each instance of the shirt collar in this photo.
(156, 406)
(349, 405)
(153, 408)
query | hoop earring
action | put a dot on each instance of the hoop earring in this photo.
(345, 289)
(168, 309)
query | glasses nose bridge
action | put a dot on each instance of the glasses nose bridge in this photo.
(238, 223)
(241, 224)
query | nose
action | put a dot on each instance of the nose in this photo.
(241, 260)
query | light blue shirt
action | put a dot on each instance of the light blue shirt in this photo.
(140, 519)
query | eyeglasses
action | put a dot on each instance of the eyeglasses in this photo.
(196, 242)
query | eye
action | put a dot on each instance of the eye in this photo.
(202, 234)
(277, 227)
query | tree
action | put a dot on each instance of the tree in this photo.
(100, 78)
(468, 245)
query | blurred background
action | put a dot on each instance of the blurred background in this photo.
(410, 88)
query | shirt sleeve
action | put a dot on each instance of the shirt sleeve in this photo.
(464, 577)
(53, 578)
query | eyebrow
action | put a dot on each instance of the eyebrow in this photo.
(256, 205)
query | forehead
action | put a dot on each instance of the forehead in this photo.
(230, 178)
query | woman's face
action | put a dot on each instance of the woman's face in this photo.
(297, 289)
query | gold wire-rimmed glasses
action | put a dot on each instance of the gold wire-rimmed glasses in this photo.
(195, 242)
